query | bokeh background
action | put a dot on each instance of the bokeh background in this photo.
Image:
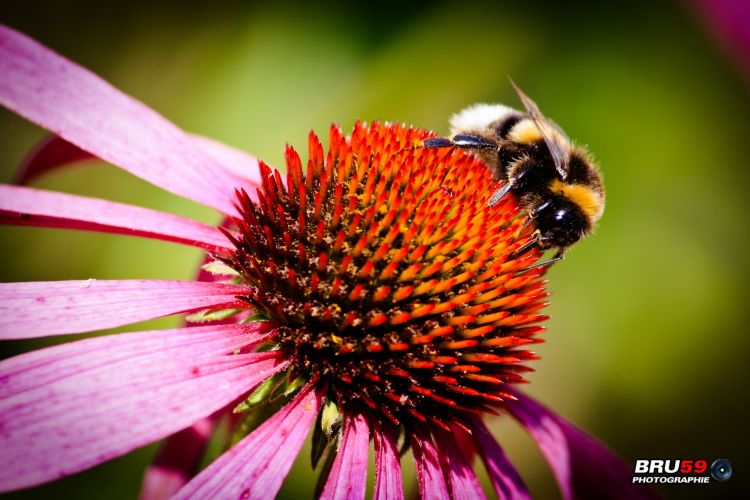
(648, 342)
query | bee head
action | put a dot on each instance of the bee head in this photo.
(560, 221)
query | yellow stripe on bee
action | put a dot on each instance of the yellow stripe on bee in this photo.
(525, 132)
(591, 202)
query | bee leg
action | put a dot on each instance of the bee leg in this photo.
(430, 143)
(526, 247)
(560, 255)
(505, 188)
(462, 141)
(436, 142)
(500, 193)
(527, 222)
(473, 142)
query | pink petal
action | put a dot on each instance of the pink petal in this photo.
(37, 309)
(348, 476)
(432, 482)
(546, 431)
(462, 481)
(77, 105)
(234, 160)
(466, 443)
(584, 467)
(66, 408)
(177, 460)
(180, 454)
(29, 372)
(34, 207)
(730, 22)
(506, 481)
(161, 483)
(54, 152)
(257, 465)
(388, 480)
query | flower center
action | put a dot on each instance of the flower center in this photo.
(389, 277)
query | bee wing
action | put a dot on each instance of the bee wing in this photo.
(559, 131)
(555, 139)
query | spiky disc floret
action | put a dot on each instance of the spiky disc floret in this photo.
(389, 277)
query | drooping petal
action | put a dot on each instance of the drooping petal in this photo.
(506, 481)
(38, 309)
(550, 438)
(432, 482)
(54, 151)
(35, 207)
(597, 471)
(730, 22)
(66, 408)
(77, 105)
(388, 480)
(257, 465)
(462, 481)
(466, 444)
(348, 477)
(584, 467)
(177, 460)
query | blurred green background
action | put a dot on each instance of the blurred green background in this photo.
(648, 341)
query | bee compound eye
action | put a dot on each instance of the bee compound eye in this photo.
(721, 470)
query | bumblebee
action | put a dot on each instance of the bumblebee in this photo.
(556, 182)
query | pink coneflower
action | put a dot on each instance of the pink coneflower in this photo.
(729, 22)
(368, 293)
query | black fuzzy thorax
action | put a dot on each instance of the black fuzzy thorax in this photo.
(560, 221)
